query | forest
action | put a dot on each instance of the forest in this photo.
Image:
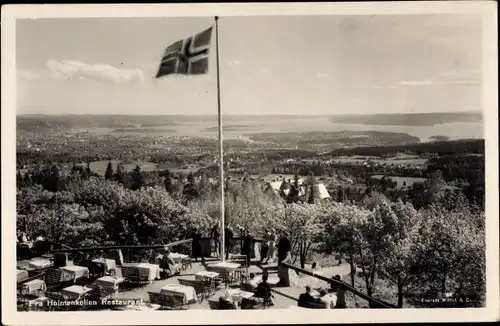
(404, 248)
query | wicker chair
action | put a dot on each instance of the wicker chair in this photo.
(174, 302)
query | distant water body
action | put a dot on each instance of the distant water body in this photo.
(463, 130)
(451, 130)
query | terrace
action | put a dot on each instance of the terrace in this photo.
(284, 296)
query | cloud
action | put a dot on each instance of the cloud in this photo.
(28, 75)
(234, 62)
(448, 78)
(72, 69)
(265, 70)
(425, 82)
(461, 76)
(322, 75)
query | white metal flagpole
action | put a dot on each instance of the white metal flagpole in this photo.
(221, 149)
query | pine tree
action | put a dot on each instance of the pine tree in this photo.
(294, 193)
(313, 194)
(190, 178)
(54, 179)
(169, 187)
(120, 174)
(19, 179)
(137, 178)
(109, 171)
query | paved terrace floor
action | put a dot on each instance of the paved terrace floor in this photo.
(284, 297)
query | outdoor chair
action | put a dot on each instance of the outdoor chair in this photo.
(264, 296)
(52, 278)
(100, 292)
(174, 302)
(187, 262)
(135, 275)
(247, 287)
(248, 303)
(241, 274)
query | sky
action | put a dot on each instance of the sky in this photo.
(321, 65)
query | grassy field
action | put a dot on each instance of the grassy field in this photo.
(100, 166)
(403, 159)
(401, 180)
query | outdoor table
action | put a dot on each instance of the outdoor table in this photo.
(22, 275)
(188, 292)
(238, 295)
(204, 275)
(109, 281)
(34, 286)
(226, 266)
(109, 264)
(75, 292)
(177, 258)
(207, 276)
(154, 270)
(39, 263)
(72, 273)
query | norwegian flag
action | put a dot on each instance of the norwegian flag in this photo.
(188, 56)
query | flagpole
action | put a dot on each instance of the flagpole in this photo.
(221, 148)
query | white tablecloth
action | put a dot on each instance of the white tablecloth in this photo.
(34, 286)
(109, 264)
(226, 266)
(40, 263)
(109, 281)
(154, 270)
(188, 291)
(72, 273)
(201, 275)
(75, 291)
(177, 258)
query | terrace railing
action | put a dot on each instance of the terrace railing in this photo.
(373, 302)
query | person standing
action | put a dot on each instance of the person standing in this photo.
(283, 247)
(228, 238)
(214, 234)
(264, 249)
(247, 247)
(196, 245)
(340, 291)
(272, 244)
(242, 235)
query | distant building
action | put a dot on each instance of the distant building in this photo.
(276, 186)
